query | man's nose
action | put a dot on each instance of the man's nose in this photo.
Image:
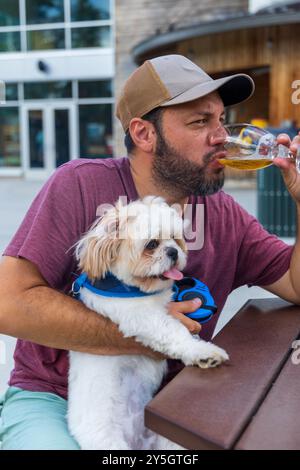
(218, 136)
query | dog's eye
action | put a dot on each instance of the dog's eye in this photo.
(152, 245)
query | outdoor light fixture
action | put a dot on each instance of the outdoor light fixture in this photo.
(43, 66)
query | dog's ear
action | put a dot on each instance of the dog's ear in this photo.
(99, 247)
(181, 243)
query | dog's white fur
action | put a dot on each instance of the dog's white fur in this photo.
(108, 394)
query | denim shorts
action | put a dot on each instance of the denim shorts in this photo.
(34, 421)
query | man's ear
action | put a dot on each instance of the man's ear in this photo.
(143, 134)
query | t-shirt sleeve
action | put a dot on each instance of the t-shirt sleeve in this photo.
(262, 257)
(53, 223)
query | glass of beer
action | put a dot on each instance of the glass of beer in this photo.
(251, 148)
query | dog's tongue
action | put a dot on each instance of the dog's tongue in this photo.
(173, 274)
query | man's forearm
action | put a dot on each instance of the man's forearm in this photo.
(47, 317)
(295, 260)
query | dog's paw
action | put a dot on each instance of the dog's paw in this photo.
(215, 357)
(208, 355)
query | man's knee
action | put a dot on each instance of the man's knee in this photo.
(35, 421)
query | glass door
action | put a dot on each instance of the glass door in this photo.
(48, 137)
(63, 133)
(36, 136)
(61, 136)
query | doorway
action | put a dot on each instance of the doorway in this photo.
(49, 137)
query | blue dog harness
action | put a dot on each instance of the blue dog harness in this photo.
(186, 289)
(110, 286)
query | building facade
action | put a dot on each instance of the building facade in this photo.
(57, 61)
(65, 61)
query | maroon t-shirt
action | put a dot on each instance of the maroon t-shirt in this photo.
(236, 250)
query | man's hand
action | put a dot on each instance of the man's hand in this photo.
(289, 172)
(178, 309)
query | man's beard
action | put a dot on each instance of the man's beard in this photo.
(180, 177)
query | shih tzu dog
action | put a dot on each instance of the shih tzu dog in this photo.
(130, 258)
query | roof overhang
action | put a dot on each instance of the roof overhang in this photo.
(150, 45)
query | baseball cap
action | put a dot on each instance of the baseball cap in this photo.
(173, 79)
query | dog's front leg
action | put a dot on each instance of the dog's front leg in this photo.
(165, 334)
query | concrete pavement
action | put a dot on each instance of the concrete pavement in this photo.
(15, 198)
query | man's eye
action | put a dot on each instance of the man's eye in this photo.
(152, 245)
(200, 121)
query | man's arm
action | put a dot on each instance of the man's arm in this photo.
(31, 310)
(288, 286)
(284, 289)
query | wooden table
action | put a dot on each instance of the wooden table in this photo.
(253, 402)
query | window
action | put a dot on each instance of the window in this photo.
(9, 13)
(89, 10)
(95, 127)
(95, 88)
(46, 39)
(43, 22)
(50, 11)
(11, 92)
(91, 37)
(36, 138)
(62, 136)
(9, 137)
(10, 41)
(46, 90)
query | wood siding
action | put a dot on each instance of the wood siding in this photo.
(276, 47)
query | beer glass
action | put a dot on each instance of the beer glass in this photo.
(251, 148)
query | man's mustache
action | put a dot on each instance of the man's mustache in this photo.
(209, 157)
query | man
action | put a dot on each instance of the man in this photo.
(173, 116)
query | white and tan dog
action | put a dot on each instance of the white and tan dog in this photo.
(142, 245)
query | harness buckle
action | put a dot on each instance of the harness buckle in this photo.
(75, 293)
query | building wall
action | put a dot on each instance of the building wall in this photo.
(62, 65)
(274, 47)
(136, 20)
(57, 62)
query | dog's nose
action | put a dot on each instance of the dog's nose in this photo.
(172, 253)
